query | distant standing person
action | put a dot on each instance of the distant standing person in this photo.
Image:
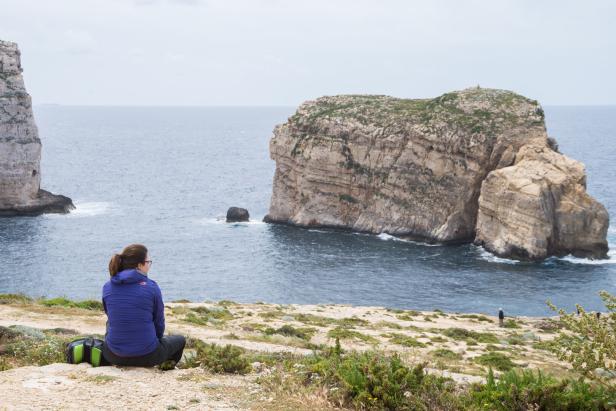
(136, 314)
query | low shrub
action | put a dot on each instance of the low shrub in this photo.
(510, 323)
(405, 341)
(461, 334)
(290, 331)
(221, 359)
(477, 317)
(343, 333)
(527, 390)
(204, 315)
(312, 319)
(65, 302)
(372, 380)
(35, 351)
(496, 360)
(14, 298)
(445, 354)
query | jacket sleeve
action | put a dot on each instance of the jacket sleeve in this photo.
(159, 313)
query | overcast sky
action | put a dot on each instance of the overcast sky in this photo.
(282, 52)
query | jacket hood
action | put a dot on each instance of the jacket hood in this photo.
(129, 276)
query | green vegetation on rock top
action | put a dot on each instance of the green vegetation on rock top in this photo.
(476, 110)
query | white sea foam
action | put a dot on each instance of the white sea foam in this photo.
(223, 220)
(488, 256)
(389, 237)
(576, 260)
(87, 209)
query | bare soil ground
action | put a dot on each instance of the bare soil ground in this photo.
(432, 337)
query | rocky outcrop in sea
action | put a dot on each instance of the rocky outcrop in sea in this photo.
(469, 166)
(20, 146)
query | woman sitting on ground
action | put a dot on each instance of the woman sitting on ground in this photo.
(136, 314)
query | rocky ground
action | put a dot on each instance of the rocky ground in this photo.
(459, 346)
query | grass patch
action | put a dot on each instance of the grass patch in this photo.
(405, 341)
(469, 336)
(369, 380)
(528, 390)
(510, 323)
(343, 333)
(101, 379)
(33, 351)
(227, 359)
(271, 315)
(204, 315)
(477, 317)
(65, 302)
(496, 360)
(227, 303)
(408, 315)
(445, 354)
(316, 320)
(14, 299)
(387, 324)
(305, 333)
(351, 322)
(515, 339)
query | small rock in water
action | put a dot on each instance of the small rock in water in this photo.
(235, 214)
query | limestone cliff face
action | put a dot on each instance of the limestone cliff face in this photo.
(410, 168)
(20, 146)
(539, 207)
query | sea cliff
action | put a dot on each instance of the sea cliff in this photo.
(436, 170)
(20, 146)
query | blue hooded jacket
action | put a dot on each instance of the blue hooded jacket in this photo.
(135, 314)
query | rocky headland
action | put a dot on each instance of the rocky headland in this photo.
(20, 146)
(469, 166)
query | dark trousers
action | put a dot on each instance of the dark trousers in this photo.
(170, 347)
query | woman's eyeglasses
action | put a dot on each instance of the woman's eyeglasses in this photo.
(148, 262)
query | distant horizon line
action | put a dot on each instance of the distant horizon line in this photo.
(248, 105)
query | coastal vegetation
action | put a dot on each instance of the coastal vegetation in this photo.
(353, 357)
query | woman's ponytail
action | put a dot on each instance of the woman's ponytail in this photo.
(131, 257)
(115, 264)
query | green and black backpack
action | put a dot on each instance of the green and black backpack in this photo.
(88, 350)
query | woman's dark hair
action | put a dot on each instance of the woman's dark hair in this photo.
(131, 257)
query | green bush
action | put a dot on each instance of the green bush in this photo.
(33, 351)
(371, 380)
(14, 298)
(496, 360)
(589, 342)
(477, 317)
(527, 390)
(405, 341)
(510, 323)
(343, 333)
(204, 315)
(444, 353)
(461, 334)
(290, 331)
(221, 359)
(65, 302)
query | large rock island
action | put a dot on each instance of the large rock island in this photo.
(469, 166)
(20, 146)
